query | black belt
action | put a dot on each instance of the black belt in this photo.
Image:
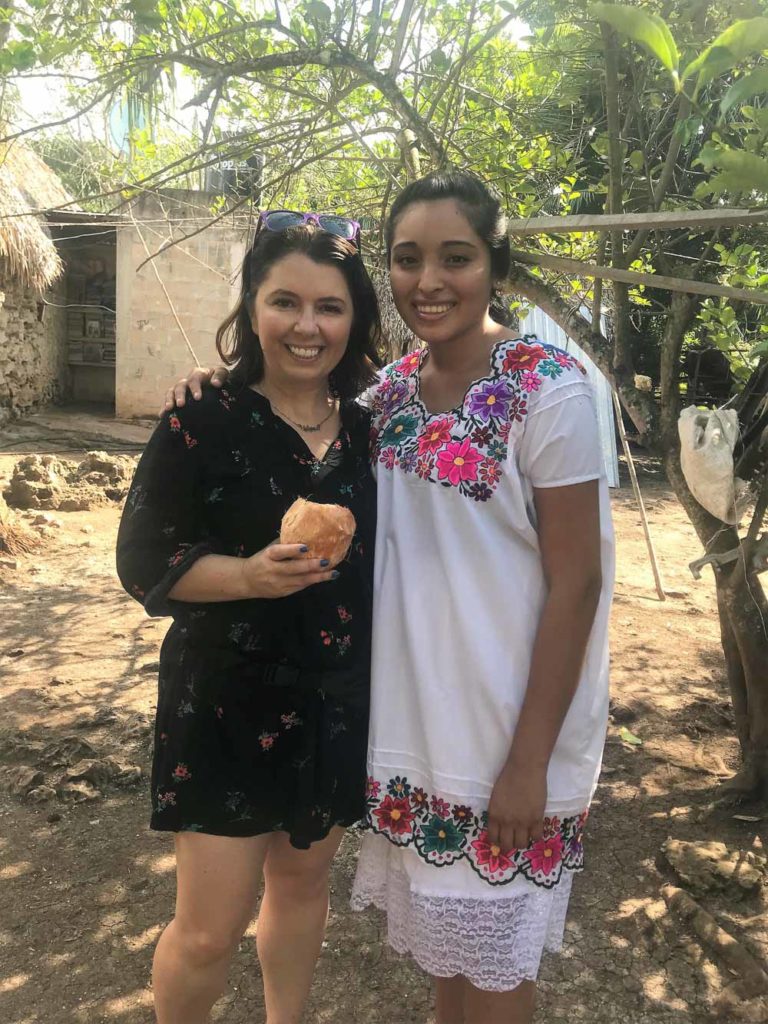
(337, 683)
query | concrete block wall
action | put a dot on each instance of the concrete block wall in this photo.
(151, 350)
(33, 368)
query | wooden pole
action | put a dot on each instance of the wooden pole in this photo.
(638, 498)
(703, 220)
(671, 284)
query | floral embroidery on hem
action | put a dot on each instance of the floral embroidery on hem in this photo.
(442, 835)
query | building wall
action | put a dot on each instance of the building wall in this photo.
(151, 350)
(33, 367)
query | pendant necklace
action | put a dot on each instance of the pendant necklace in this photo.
(309, 428)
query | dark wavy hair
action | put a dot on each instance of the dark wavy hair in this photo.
(483, 210)
(237, 343)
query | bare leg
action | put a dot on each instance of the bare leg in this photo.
(217, 884)
(515, 1007)
(449, 1000)
(292, 920)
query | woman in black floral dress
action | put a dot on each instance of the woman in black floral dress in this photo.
(262, 715)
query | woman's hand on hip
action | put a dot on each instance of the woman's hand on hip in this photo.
(516, 809)
(283, 569)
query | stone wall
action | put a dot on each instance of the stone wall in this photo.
(33, 367)
(196, 275)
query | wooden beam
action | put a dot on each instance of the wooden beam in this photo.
(700, 220)
(671, 284)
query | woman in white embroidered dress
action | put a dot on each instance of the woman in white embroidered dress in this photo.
(494, 561)
(494, 567)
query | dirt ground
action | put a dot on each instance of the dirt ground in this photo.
(86, 887)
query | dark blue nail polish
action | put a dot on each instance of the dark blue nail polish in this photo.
(335, 574)
(324, 562)
(303, 549)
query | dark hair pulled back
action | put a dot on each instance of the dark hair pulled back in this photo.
(483, 210)
(237, 343)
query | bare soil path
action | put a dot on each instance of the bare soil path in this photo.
(85, 887)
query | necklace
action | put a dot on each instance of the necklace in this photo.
(309, 428)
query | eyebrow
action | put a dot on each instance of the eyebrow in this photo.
(443, 245)
(293, 295)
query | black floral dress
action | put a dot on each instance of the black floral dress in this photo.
(262, 713)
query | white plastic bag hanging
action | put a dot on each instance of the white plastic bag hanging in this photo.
(707, 440)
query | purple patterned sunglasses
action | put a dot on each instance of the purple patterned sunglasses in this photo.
(281, 220)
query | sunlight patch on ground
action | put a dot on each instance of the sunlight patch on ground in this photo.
(164, 864)
(57, 959)
(629, 907)
(656, 988)
(110, 924)
(146, 938)
(9, 984)
(23, 867)
(128, 1003)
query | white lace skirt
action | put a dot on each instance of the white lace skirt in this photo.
(496, 942)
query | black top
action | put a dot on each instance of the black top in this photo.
(262, 708)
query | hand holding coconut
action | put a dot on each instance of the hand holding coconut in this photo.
(281, 570)
(325, 530)
(313, 539)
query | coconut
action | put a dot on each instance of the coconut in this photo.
(327, 530)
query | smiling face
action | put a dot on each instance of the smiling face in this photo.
(440, 270)
(303, 316)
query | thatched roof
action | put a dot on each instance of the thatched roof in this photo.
(28, 185)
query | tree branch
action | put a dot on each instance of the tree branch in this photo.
(373, 31)
(319, 57)
(402, 29)
(246, 199)
(682, 310)
(457, 69)
(640, 405)
(665, 178)
(622, 355)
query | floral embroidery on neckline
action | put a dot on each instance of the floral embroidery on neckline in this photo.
(465, 447)
(442, 834)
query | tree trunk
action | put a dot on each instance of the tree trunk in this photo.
(743, 613)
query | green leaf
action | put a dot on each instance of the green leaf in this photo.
(687, 128)
(744, 89)
(318, 11)
(629, 737)
(636, 160)
(743, 39)
(745, 171)
(145, 12)
(649, 30)
(18, 55)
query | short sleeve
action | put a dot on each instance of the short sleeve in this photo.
(561, 441)
(162, 532)
(367, 398)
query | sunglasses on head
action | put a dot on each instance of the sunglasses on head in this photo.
(282, 220)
